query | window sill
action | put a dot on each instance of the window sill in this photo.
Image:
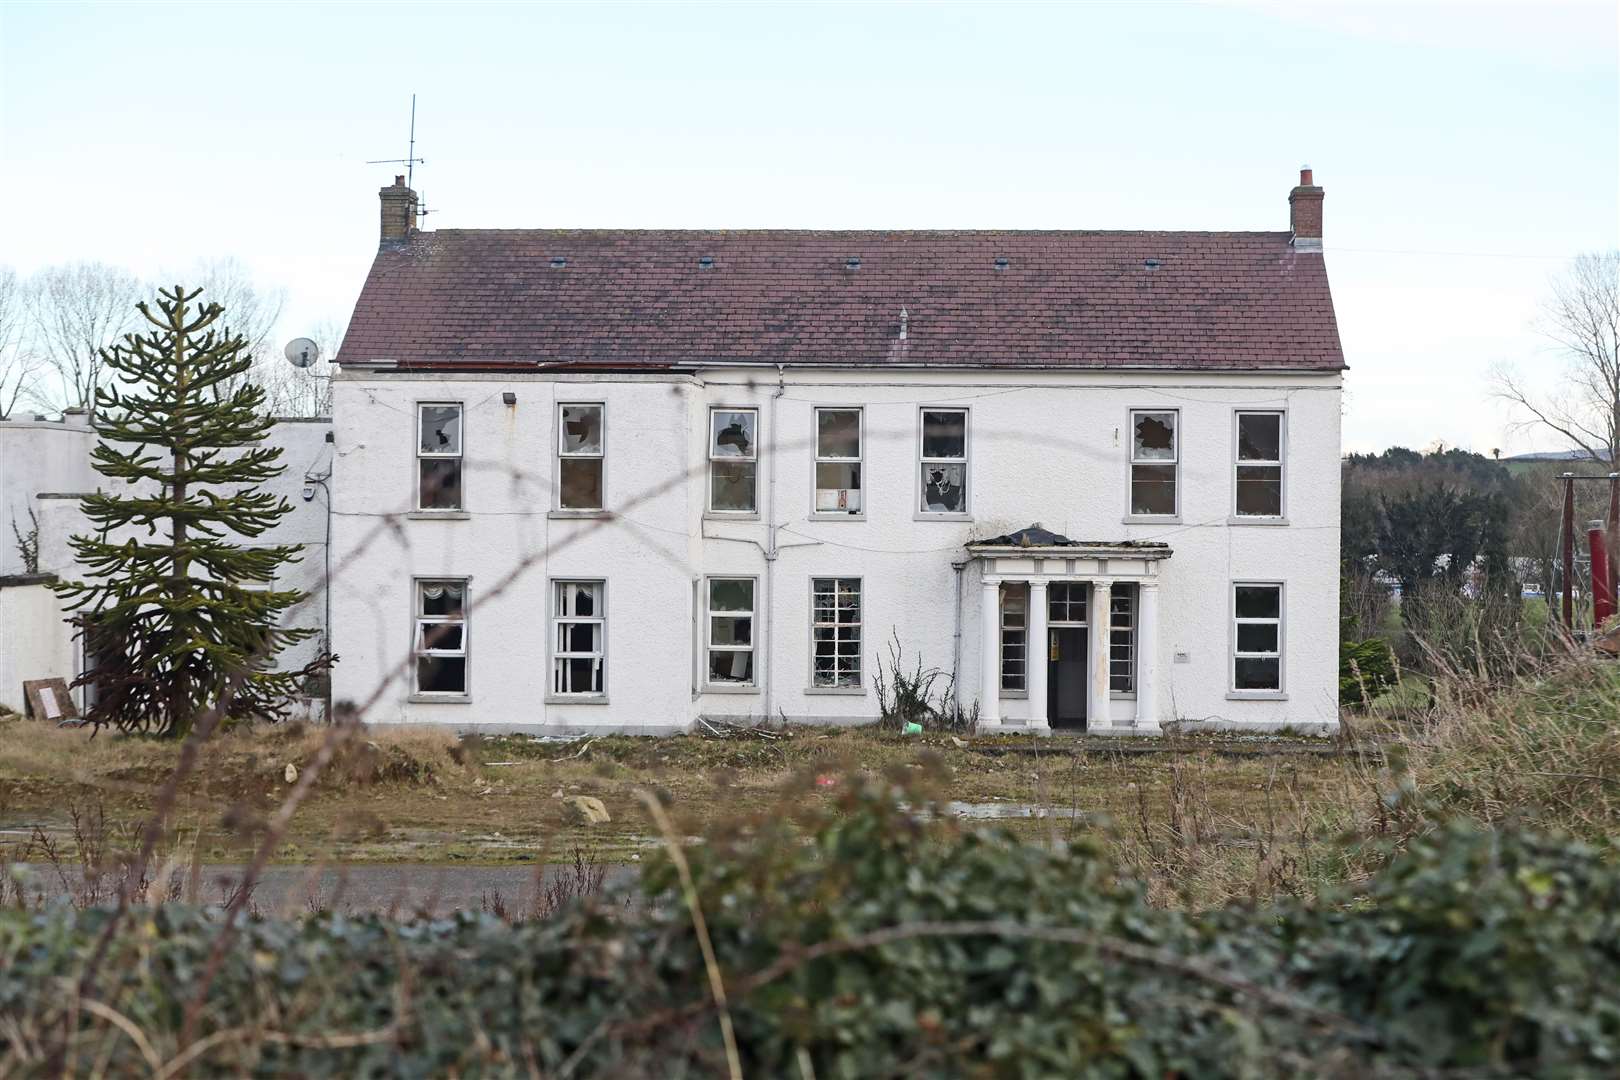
(1014, 695)
(579, 515)
(576, 699)
(1122, 695)
(837, 517)
(717, 689)
(438, 515)
(724, 515)
(1243, 519)
(1256, 695)
(1151, 519)
(440, 699)
(926, 515)
(835, 691)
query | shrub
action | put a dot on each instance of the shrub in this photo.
(864, 934)
(1365, 668)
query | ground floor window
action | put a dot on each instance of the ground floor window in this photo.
(1122, 639)
(1015, 638)
(1257, 637)
(578, 636)
(731, 631)
(441, 637)
(835, 631)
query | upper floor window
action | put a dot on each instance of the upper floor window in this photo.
(440, 642)
(1259, 481)
(438, 456)
(1155, 455)
(1256, 638)
(733, 460)
(944, 454)
(838, 461)
(579, 456)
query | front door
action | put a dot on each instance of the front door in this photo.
(1066, 676)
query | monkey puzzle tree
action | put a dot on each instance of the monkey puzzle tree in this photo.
(178, 615)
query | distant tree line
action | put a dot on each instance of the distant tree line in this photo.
(55, 323)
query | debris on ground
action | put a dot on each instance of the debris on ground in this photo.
(724, 729)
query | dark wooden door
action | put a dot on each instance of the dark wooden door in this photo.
(1066, 676)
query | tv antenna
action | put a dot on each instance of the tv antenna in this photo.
(410, 161)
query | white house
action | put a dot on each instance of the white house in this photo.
(622, 480)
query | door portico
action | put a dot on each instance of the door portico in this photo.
(1104, 594)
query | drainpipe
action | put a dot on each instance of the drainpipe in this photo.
(956, 636)
(771, 550)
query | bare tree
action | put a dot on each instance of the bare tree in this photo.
(78, 310)
(19, 364)
(1583, 320)
(252, 310)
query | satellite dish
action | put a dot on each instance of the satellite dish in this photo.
(302, 352)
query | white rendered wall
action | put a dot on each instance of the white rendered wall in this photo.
(305, 452)
(38, 456)
(1044, 447)
(29, 647)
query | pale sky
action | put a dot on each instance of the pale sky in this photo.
(1467, 150)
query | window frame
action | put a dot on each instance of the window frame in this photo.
(817, 460)
(708, 450)
(554, 620)
(460, 457)
(418, 620)
(1122, 589)
(1232, 653)
(1022, 690)
(859, 689)
(708, 684)
(920, 462)
(559, 455)
(1281, 464)
(1131, 514)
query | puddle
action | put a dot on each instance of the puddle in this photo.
(1004, 811)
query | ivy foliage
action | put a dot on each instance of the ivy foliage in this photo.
(863, 935)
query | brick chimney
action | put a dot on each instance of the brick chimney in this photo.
(398, 210)
(1305, 213)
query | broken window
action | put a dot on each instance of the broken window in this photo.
(1259, 464)
(1014, 637)
(578, 634)
(579, 457)
(944, 461)
(438, 454)
(731, 631)
(1155, 454)
(1122, 639)
(440, 637)
(835, 631)
(838, 461)
(733, 459)
(1257, 637)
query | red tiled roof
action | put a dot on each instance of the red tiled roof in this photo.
(632, 298)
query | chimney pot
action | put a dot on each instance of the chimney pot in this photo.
(1305, 213)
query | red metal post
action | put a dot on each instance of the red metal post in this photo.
(1567, 532)
(1602, 586)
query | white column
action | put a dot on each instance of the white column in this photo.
(1097, 685)
(1147, 656)
(1035, 657)
(990, 654)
